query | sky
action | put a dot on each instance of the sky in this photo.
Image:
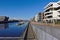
(22, 9)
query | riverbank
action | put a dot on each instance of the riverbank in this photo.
(8, 21)
(11, 21)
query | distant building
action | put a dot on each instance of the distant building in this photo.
(52, 12)
(36, 18)
(3, 18)
(32, 19)
(39, 17)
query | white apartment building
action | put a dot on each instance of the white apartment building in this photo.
(39, 17)
(52, 11)
(36, 18)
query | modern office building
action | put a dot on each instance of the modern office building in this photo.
(52, 12)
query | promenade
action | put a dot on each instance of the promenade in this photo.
(30, 35)
(46, 31)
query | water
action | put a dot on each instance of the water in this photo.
(12, 30)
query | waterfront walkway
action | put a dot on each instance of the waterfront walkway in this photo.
(47, 31)
(30, 35)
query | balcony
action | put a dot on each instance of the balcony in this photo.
(48, 15)
(48, 8)
(49, 11)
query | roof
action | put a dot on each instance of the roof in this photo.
(49, 4)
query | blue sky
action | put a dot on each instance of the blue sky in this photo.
(24, 9)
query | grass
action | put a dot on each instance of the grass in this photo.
(57, 22)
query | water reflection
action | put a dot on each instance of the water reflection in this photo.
(11, 30)
(3, 25)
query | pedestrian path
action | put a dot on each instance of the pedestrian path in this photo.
(30, 34)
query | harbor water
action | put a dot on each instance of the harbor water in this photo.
(12, 30)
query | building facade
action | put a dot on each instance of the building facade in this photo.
(52, 12)
(36, 18)
(39, 17)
